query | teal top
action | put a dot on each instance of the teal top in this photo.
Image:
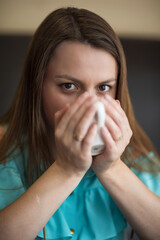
(88, 213)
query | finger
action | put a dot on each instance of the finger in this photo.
(89, 138)
(118, 115)
(114, 102)
(78, 116)
(71, 110)
(114, 110)
(107, 138)
(85, 121)
(113, 128)
(60, 114)
(118, 101)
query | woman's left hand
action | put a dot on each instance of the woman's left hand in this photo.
(116, 135)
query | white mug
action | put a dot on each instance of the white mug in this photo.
(98, 145)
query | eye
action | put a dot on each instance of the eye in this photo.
(104, 88)
(68, 86)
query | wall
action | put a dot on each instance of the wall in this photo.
(136, 22)
(128, 18)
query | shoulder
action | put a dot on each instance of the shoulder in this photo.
(12, 178)
(150, 176)
(14, 167)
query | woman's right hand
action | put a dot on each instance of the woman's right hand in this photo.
(74, 135)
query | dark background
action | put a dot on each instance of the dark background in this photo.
(143, 62)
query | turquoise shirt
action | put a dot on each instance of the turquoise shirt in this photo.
(89, 213)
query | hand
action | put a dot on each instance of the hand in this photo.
(75, 133)
(116, 135)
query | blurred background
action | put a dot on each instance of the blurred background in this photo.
(136, 22)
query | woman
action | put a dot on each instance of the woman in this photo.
(48, 176)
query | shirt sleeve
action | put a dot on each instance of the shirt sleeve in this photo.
(11, 184)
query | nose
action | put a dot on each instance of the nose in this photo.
(91, 93)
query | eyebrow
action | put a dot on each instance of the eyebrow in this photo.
(80, 81)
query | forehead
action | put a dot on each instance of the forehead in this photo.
(83, 61)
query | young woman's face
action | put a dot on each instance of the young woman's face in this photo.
(74, 69)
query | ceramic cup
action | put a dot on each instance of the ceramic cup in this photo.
(98, 145)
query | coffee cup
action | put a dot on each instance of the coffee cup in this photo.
(98, 145)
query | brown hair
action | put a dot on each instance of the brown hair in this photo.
(25, 119)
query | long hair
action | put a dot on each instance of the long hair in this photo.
(25, 120)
